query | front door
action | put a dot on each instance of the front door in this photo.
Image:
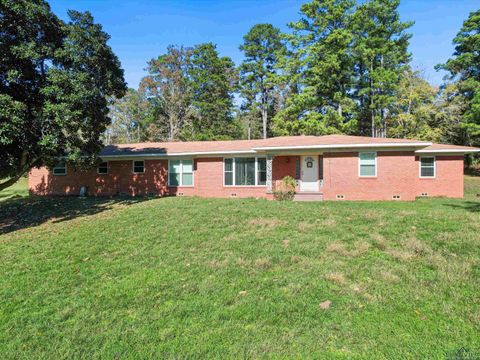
(309, 173)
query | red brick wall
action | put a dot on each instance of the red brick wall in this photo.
(208, 181)
(120, 179)
(448, 180)
(397, 174)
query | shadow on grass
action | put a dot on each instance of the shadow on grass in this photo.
(20, 213)
(471, 206)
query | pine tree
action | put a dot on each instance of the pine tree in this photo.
(381, 56)
(322, 67)
(464, 69)
(213, 80)
(262, 47)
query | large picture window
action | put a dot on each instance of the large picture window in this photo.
(245, 171)
(367, 164)
(180, 172)
(427, 167)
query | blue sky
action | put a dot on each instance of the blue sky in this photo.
(141, 30)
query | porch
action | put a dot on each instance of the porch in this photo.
(306, 169)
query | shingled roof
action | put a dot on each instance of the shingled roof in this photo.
(274, 143)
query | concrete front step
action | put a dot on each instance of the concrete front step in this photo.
(308, 196)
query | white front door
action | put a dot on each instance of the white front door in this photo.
(309, 168)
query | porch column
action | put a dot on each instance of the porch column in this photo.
(269, 174)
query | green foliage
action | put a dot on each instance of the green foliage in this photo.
(286, 190)
(464, 69)
(262, 47)
(323, 69)
(348, 60)
(131, 117)
(190, 91)
(413, 114)
(55, 79)
(381, 54)
(212, 79)
(168, 90)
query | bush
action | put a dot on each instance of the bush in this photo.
(286, 190)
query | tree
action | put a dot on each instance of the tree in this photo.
(130, 118)
(321, 41)
(169, 91)
(464, 69)
(55, 79)
(262, 47)
(413, 114)
(381, 56)
(213, 80)
(449, 115)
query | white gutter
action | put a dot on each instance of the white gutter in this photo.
(345, 146)
(451, 151)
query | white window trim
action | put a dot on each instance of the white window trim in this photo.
(133, 167)
(233, 171)
(360, 163)
(434, 167)
(108, 168)
(181, 173)
(56, 167)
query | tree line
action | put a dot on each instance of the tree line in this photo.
(343, 67)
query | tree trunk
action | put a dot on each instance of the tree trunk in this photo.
(264, 121)
(264, 112)
(11, 181)
(371, 100)
(24, 168)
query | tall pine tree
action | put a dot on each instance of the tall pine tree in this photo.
(262, 47)
(464, 69)
(321, 57)
(381, 56)
(213, 80)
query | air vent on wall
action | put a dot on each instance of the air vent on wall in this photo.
(424, 194)
(179, 194)
(340, 197)
(233, 195)
(396, 197)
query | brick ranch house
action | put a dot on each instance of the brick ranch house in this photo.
(332, 167)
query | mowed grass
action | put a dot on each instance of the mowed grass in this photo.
(219, 278)
(17, 190)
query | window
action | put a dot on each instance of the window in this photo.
(138, 166)
(102, 168)
(427, 167)
(367, 164)
(60, 169)
(180, 172)
(245, 171)
(228, 172)
(261, 171)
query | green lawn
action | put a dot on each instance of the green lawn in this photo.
(204, 278)
(19, 189)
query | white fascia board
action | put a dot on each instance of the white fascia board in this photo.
(164, 155)
(344, 146)
(447, 151)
